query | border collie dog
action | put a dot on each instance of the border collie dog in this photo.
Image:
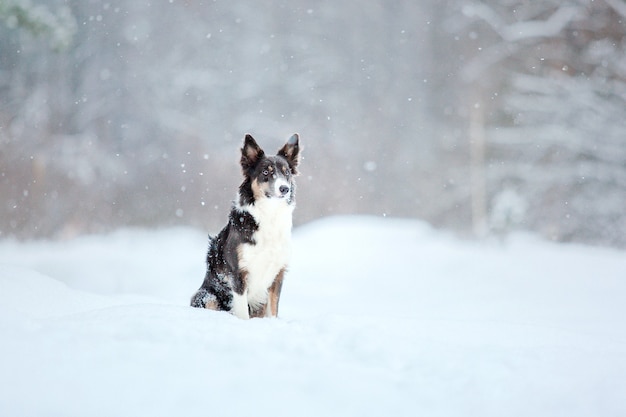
(247, 260)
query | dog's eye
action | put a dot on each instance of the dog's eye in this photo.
(266, 173)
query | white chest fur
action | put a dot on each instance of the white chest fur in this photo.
(271, 253)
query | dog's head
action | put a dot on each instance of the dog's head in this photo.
(269, 176)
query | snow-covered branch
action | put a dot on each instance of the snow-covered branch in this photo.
(519, 31)
(488, 58)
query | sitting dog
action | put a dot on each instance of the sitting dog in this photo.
(247, 260)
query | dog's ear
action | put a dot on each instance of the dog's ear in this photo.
(251, 153)
(291, 152)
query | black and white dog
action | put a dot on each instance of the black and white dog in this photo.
(247, 260)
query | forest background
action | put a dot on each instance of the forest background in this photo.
(480, 117)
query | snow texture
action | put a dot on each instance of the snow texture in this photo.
(378, 317)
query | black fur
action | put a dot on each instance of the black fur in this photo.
(223, 275)
(291, 153)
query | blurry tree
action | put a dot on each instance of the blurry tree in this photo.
(57, 26)
(556, 111)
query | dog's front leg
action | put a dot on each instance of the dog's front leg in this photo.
(273, 295)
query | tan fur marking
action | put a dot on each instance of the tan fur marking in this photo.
(273, 295)
(211, 305)
(259, 190)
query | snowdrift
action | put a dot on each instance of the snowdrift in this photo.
(378, 317)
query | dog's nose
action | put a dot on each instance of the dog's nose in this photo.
(283, 189)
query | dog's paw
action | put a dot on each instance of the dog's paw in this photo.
(204, 299)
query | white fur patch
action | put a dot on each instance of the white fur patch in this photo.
(271, 253)
(240, 305)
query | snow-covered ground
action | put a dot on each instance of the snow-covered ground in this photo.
(379, 317)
